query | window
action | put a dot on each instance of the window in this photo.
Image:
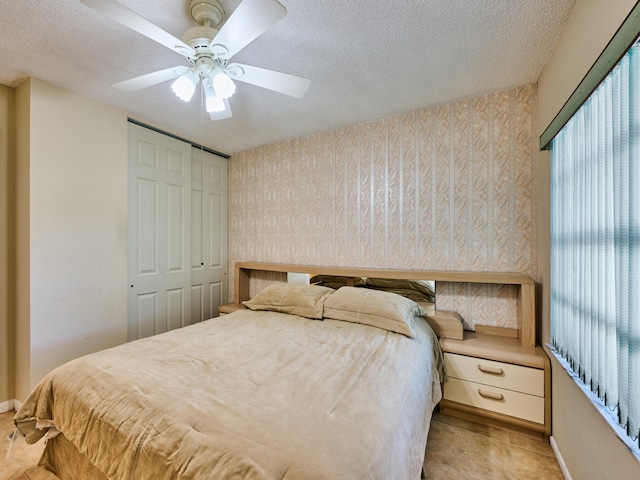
(595, 230)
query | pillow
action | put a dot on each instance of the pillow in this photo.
(294, 299)
(375, 308)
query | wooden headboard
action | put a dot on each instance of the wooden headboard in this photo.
(449, 322)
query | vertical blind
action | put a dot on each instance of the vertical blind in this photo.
(595, 230)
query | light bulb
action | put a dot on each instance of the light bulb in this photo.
(185, 85)
(223, 85)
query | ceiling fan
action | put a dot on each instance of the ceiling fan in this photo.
(209, 51)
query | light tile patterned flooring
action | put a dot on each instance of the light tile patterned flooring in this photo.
(456, 450)
(463, 450)
(22, 464)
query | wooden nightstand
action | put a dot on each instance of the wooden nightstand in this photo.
(495, 380)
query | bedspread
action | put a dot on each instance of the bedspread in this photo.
(250, 395)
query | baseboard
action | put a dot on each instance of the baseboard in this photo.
(6, 406)
(563, 466)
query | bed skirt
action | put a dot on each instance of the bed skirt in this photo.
(63, 459)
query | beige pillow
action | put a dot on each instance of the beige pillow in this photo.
(373, 307)
(302, 300)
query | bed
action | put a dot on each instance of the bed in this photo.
(312, 383)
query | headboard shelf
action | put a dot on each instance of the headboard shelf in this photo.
(526, 299)
(503, 278)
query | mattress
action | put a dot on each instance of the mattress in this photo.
(251, 395)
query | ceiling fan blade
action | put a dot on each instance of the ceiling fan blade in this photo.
(276, 81)
(226, 113)
(121, 14)
(150, 79)
(250, 20)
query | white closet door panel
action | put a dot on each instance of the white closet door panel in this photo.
(159, 226)
(175, 308)
(147, 314)
(215, 298)
(197, 237)
(197, 304)
(216, 214)
(177, 233)
(217, 176)
(146, 154)
(209, 225)
(175, 228)
(176, 162)
(146, 226)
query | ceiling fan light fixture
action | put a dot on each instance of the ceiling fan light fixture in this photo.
(185, 86)
(223, 85)
(208, 51)
(214, 104)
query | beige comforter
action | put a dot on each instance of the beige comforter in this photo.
(250, 395)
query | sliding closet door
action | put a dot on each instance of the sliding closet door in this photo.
(208, 234)
(159, 229)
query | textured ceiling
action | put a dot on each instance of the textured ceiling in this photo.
(366, 59)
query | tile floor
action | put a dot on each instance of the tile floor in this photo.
(23, 462)
(456, 450)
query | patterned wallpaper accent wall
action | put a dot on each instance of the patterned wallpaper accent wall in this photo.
(451, 187)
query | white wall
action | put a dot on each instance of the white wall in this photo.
(587, 444)
(77, 230)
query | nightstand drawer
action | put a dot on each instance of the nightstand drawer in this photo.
(506, 402)
(496, 374)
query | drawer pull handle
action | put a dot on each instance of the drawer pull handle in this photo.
(491, 395)
(490, 370)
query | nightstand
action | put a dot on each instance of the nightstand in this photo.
(495, 380)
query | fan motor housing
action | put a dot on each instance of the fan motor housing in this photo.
(199, 37)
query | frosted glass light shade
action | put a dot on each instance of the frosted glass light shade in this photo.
(185, 86)
(214, 103)
(223, 85)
